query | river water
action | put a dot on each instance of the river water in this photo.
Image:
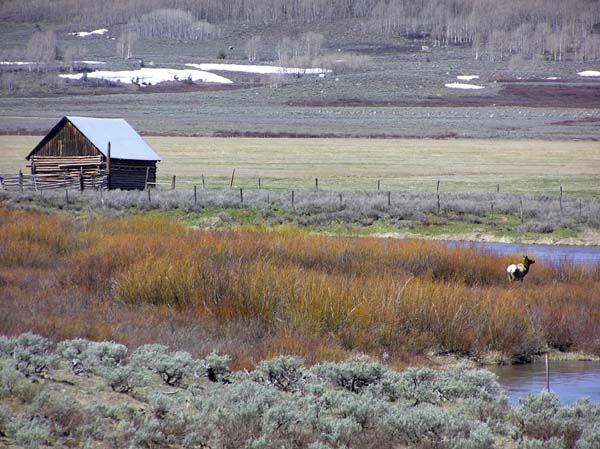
(554, 254)
(570, 380)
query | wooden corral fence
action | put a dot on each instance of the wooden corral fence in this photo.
(54, 181)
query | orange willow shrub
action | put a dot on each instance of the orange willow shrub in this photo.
(312, 294)
(35, 239)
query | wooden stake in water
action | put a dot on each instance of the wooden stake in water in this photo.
(547, 373)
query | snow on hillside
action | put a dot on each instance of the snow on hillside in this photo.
(463, 86)
(16, 63)
(98, 32)
(149, 76)
(589, 73)
(262, 69)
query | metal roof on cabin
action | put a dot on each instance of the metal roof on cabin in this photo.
(125, 142)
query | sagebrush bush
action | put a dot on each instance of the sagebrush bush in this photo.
(170, 366)
(353, 375)
(216, 367)
(118, 378)
(286, 373)
(105, 354)
(32, 354)
(30, 433)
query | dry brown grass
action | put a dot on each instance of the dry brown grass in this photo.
(254, 294)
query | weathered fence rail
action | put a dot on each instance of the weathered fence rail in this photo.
(26, 182)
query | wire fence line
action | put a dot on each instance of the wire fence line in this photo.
(537, 213)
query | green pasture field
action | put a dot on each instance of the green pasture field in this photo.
(534, 166)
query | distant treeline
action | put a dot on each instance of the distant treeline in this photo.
(495, 29)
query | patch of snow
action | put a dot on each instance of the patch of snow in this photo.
(262, 69)
(98, 32)
(90, 62)
(552, 78)
(467, 77)
(589, 73)
(463, 86)
(16, 63)
(147, 76)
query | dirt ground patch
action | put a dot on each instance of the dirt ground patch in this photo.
(532, 96)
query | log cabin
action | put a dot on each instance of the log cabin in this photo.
(89, 145)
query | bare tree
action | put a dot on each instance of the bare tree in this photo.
(42, 47)
(125, 44)
(252, 48)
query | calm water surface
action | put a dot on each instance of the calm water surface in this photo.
(588, 255)
(570, 380)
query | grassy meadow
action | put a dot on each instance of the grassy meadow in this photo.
(255, 294)
(523, 166)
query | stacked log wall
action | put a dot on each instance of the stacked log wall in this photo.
(68, 141)
(129, 174)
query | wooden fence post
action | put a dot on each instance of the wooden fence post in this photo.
(521, 208)
(560, 199)
(437, 189)
(389, 195)
(292, 199)
(66, 188)
(579, 206)
(21, 181)
(173, 183)
(341, 201)
(438, 203)
(232, 176)
(378, 185)
(241, 196)
(81, 179)
(149, 195)
(147, 175)
(259, 183)
(195, 196)
(316, 184)
(498, 188)
(492, 208)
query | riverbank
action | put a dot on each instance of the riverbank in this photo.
(587, 237)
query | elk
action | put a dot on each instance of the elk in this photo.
(516, 272)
